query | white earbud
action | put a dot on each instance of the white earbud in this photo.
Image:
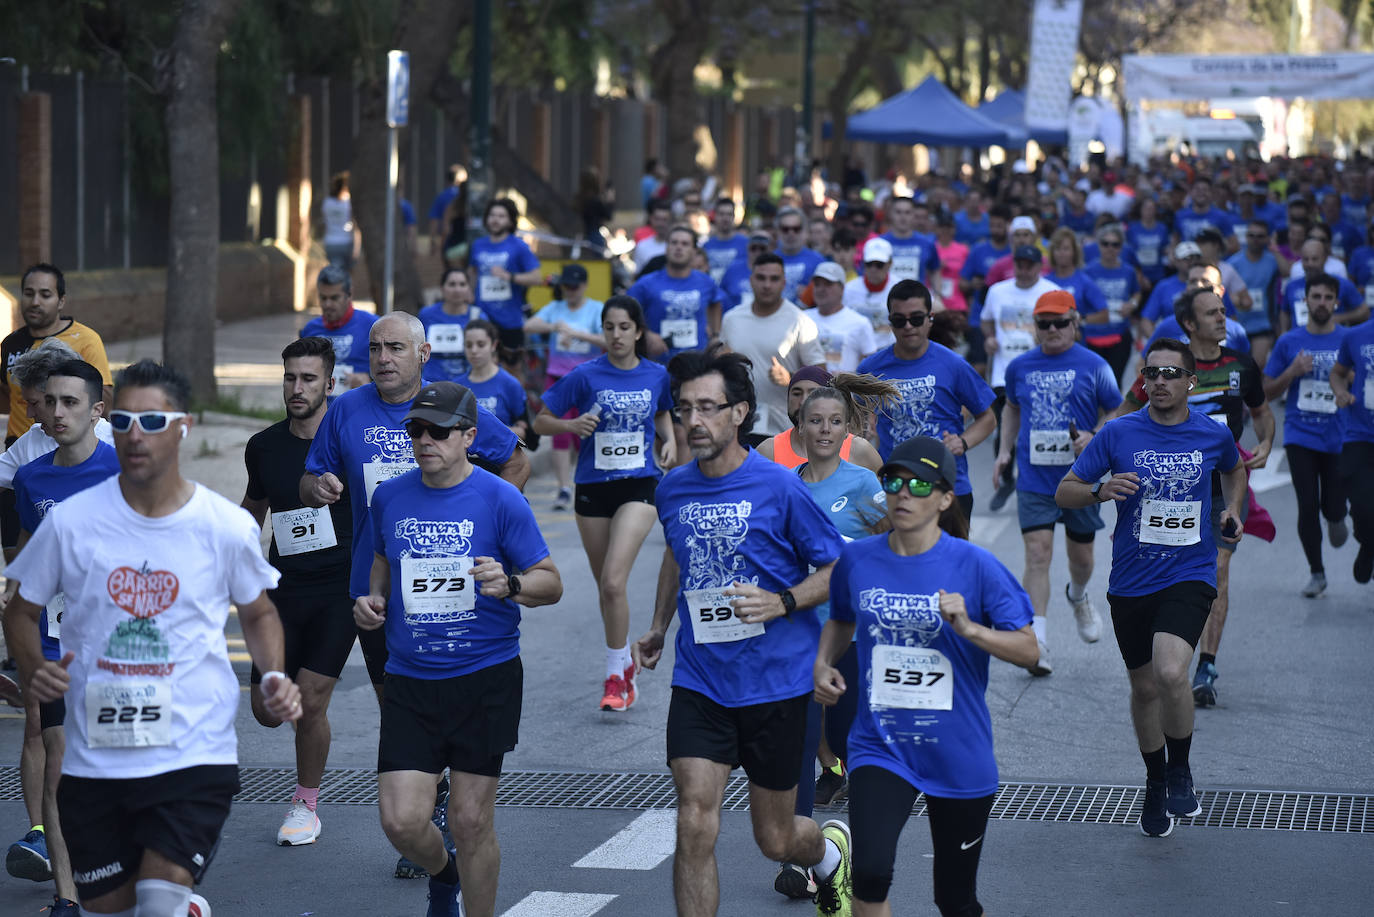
(1190, 388)
(185, 432)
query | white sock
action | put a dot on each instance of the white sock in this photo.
(616, 660)
(1038, 625)
(160, 898)
(830, 861)
(1076, 591)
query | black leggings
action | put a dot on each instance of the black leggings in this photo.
(879, 805)
(1317, 486)
(1117, 355)
(1356, 460)
(837, 720)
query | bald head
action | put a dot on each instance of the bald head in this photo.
(1313, 256)
(396, 352)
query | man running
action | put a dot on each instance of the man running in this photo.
(1352, 382)
(1057, 396)
(343, 326)
(742, 533)
(71, 407)
(456, 551)
(1228, 381)
(148, 563)
(311, 548)
(1164, 560)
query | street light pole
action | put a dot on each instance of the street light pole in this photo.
(802, 153)
(479, 137)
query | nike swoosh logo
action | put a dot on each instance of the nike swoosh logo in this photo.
(971, 843)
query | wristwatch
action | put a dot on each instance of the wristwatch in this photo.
(1097, 491)
(789, 602)
(512, 586)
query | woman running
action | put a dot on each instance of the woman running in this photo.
(624, 402)
(496, 390)
(853, 498)
(930, 608)
(786, 447)
(444, 322)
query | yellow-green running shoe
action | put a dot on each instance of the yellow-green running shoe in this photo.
(835, 895)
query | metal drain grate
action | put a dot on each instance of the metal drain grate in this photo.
(1270, 810)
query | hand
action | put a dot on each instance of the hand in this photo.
(1230, 516)
(1260, 457)
(584, 425)
(50, 680)
(990, 345)
(754, 605)
(500, 273)
(1301, 365)
(779, 374)
(369, 611)
(1080, 442)
(1344, 399)
(667, 453)
(283, 699)
(829, 684)
(328, 488)
(563, 328)
(955, 614)
(954, 443)
(647, 650)
(1120, 486)
(999, 468)
(491, 577)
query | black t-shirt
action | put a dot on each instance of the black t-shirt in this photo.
(276, 461)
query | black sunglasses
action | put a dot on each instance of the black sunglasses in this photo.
(1105, 244)
(417, 428)
(1166, 372)
(915, 319)
(1048, 323)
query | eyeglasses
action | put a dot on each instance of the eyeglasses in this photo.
(417, 428)
(893, 484)
(148, 421)
(1257, 235)
(782, 228)
(1106, 244)
(900, 320)
(705, 410)
(1165, 372)
(1048, 323)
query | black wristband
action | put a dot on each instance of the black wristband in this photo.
(964, 441)
(789, 602)
(512, 586)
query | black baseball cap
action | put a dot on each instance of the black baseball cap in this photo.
(573, 273)
(924, 457)
(445, 404)
(1027, 253)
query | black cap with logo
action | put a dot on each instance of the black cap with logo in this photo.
(445, 404)
(926, 458)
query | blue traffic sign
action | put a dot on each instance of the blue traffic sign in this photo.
(397, 88)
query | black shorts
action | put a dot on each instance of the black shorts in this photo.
(9, 518)
(1180, 609)
(767, 739)
(602, 499)
(52, 713)
(109, 823)
(318, 628)
(466, 723)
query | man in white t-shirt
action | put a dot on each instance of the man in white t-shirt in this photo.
(867, 293)
(149, 563)
(777, 337)
(845, 335)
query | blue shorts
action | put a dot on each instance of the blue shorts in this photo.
(1036, 512)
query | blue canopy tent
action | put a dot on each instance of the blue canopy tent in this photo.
(932, 115)
(1009, 108)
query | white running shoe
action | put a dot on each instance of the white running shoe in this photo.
(1042, 666)
(199, 907)
(1086, 617)
(302, 826)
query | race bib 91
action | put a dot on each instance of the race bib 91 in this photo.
(300, 531)
(713, 618)
(128, 714)
(1170, 522)
(912, 677)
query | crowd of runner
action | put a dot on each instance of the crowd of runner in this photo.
(791, 392)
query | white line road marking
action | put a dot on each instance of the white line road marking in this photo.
(983, 530)
(1272, 475)
(559, 904)
(642, 844)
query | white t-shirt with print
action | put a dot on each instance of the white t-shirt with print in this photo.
(1009, 308)
(147, 601)
(788, 334)
(845, 336)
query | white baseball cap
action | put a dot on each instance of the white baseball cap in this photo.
(878, 250)
(1187, 250)
(1023, 222)
(829, 270)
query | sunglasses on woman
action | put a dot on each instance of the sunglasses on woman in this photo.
(893, 484)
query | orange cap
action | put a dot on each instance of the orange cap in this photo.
(1055, 302)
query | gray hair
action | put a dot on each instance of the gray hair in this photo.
(789, 212)
(32, 368)
(413, 326)
(332, 275)
(1110, 229)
